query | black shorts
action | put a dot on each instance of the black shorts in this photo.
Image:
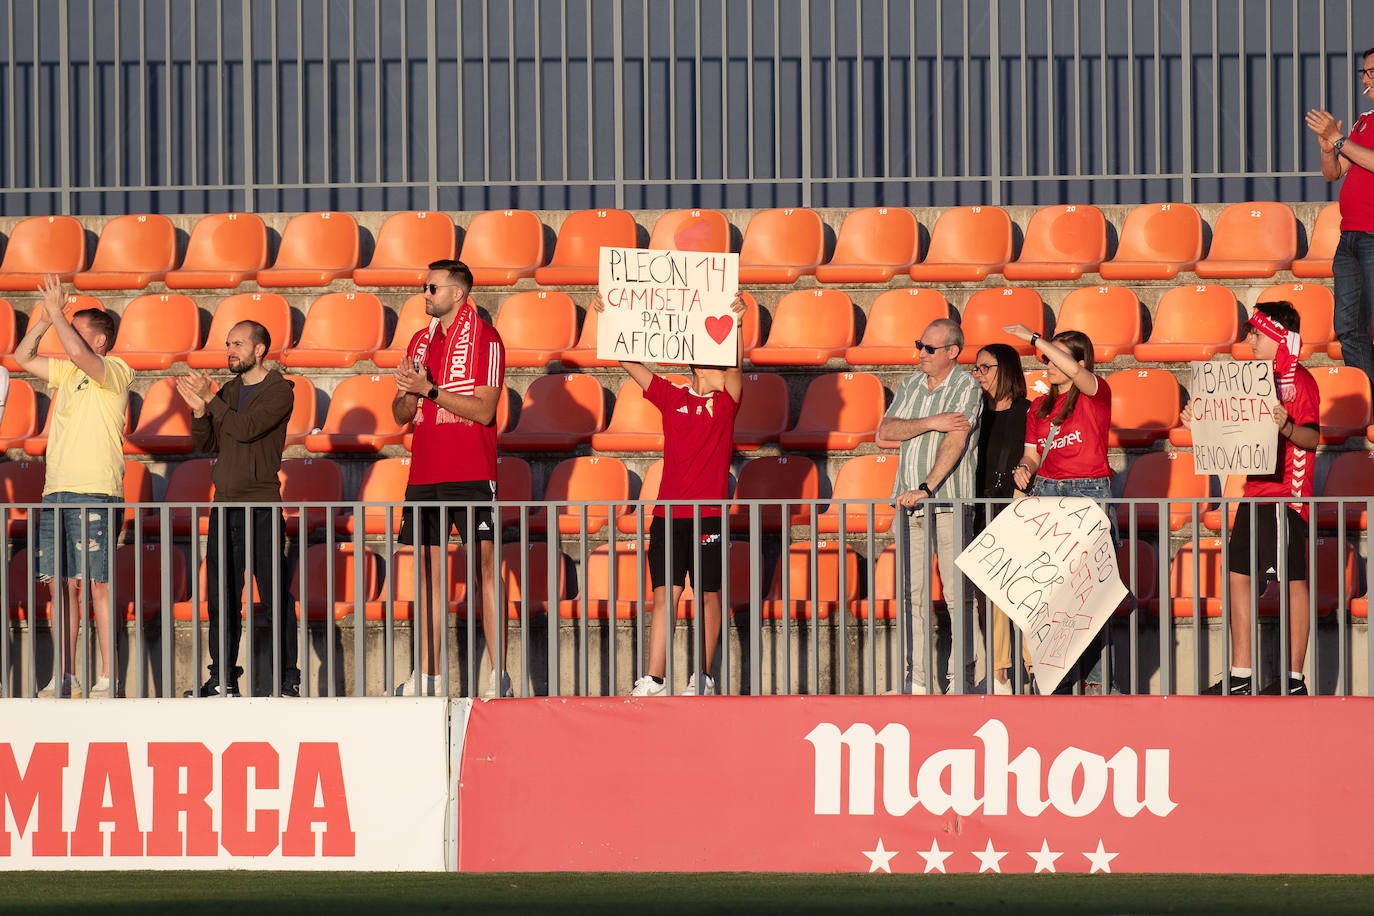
(467, 491)
(684, 553)
(1267, 542)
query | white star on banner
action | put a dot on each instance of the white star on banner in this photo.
(1044, 859)
(935, 858)
(879, 858)
(1101, 860)
(989, 859)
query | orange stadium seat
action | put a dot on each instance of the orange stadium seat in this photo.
(1349, 481)
(532, 588)
(138, 488)
(577, 254)
(1162, 475)
(316, 249)
(884, 603)
(827, 596)
(966, 244)
(536, 326)
(558, 413)
(1334, 578)
(48, 344)
(411, 318)
(1345, 403)
(764, 410)
(989, 310)
(873, 245)
(1207, 557)
(502, 246)
(691, 230)
(157, 330)
(896, 320)
(1157, 241)
(781, 245)
(225, 249)
(1192, 323)
(164, 422)
(20, 482)
(810, 327)
(1061, 243)
(407, 243)
(42, 245)
(268, 309)
(37, 444)
(400, 584)
(19, 418)
(636, 425)
(383, 481)
(340, 329)
(1321, 244)
(630, 522)
(311, 480)
(1315, 305)
(631, 578)
(514, 484)
(1256, 239)
(187, 482)
(1232, 487)
(138, 580)
(775, 478)
(343, 562)
(840, 411)
(133, 252)
(304, 410)
(582, 355)
(359, 417)
(1140, 556)
(861, 477)
(19, 580)
(1109, 315)
(1145, 406)
(197, 606)
(583, 479)
(9, 328)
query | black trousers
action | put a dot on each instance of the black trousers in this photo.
(237, 522)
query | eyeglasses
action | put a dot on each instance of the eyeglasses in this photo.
(927, 348)
(981, 369)
(435, 287)
(1365, 73)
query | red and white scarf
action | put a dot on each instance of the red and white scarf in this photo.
(459, 348)
(1286, 359)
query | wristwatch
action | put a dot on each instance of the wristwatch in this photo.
(1336, 147)
(925, 487)
(432, 393)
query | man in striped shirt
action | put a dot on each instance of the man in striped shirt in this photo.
(934, 416)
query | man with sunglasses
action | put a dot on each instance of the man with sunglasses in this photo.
(1352, 267)
(934, 416)
(449, 384)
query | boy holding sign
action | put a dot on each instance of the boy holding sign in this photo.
(1273, 526)
(698, 434)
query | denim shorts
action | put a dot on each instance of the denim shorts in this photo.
(97, 546)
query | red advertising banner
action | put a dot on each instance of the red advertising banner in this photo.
(918, 784)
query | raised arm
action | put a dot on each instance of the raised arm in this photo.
(1328, 131)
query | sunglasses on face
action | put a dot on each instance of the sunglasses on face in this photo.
(433, 288)
(927, 348)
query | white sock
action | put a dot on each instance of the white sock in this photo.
(1295, 675)
(1241, 672)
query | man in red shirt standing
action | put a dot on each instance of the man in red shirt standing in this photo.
(698, 443)
(1269, 523)
(449, 384)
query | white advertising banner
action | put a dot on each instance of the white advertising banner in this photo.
(1050, 564)
(1233, 417)
(667, 306)
(338, 784)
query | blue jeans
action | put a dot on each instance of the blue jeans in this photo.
(1098, 489)
(1352, 272)
(96, 545)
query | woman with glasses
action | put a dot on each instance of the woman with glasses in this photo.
(1001, 443)
(1066, 444)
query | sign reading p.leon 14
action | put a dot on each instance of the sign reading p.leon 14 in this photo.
(1233, 417)
(668, 306)
(1050, 564)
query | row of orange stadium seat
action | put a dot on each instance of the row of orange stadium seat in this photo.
(1157, 241)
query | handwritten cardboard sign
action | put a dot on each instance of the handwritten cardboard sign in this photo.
(668, 306)
(1050, 564)
(1233, 417)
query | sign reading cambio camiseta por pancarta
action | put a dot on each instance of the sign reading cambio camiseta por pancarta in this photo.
(1233, 417)
(1050, 564)
(668, 306)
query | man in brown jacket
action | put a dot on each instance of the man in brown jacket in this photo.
(245, 423)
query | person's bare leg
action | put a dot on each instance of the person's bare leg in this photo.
(100, 609)
(69, 598)
(659, 630)
(711, 615)
(1299, 626)
(430, 607)
(1240, 620)
(496, 621)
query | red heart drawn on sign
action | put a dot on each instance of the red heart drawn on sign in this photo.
(719, 327)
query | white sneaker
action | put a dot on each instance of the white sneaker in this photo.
(648, 687)
(419, 685)
(71, 687)
(101, 689)
(489, 692)
(708, 690)
(1002, 688)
